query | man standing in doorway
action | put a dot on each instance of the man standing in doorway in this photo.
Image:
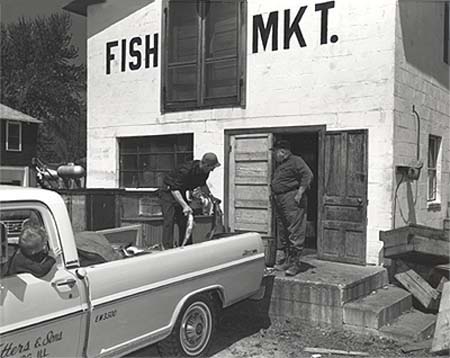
(174, 206)
(292, 177)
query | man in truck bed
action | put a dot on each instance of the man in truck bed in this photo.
(174, 206)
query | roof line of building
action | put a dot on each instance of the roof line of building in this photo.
(14, 115)
(80, 6)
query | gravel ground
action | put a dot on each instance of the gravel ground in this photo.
(243, 336)
(246, 337)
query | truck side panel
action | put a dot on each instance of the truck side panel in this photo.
(135, 300)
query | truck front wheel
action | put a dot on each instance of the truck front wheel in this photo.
(193, 331)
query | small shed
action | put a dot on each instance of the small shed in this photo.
(18, 140)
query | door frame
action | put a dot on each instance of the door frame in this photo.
(319, 129)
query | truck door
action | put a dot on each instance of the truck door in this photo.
(40, 317)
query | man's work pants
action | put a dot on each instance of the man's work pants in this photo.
(291, 219)
(172, 213)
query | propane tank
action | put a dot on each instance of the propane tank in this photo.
(71, 171)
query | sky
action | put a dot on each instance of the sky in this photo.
(11, 10)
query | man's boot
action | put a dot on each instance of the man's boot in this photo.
(295, 267)
(283, 262)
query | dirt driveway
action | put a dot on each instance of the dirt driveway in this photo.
(243, 336)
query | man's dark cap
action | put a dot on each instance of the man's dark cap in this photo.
(281, 144)
(211, 160)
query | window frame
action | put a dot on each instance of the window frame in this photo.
(218, 102)
(446, 33)
(138, 154)
(48, 223)
(7, 144)
(433, 193)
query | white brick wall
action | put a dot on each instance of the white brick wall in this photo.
(346, 85)
(421, 79)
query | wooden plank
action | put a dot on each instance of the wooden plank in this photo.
(397, 250)
(429, 246)
(252, 172)
(440, 286)
(418, 287)
(232, 186)
(441, 338)
(251, 204)
(416, 346)
(251, 157)
(395, 237)
(263, 228)
(445, 298)
(335, 351)
(252, 216)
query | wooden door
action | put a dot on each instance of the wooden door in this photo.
(344, 205)
(250, 161)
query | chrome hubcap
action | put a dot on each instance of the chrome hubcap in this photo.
(196, 328)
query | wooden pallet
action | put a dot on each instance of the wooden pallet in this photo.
(417, 243)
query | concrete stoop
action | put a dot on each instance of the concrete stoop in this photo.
(344, 296)
(319, 294)
(379, 308)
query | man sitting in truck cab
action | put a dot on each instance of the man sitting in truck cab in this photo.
(32, 256)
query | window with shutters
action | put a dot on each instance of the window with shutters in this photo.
(203, 65)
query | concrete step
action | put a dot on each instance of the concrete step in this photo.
(411, 326)
(326, 283)
(317, 295)
(379, 308)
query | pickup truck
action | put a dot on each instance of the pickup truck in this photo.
(170, 297)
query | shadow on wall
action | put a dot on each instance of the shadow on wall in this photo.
(122, 10)
(422, 30)
(405, 206)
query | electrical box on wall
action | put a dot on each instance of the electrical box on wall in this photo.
(411, 171)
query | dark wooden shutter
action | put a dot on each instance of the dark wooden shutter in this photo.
(249, 184)
(344, 216)
(221, 52)
(183, 63)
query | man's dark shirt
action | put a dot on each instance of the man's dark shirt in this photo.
(38, 267)
(186, 177)
(291, 174)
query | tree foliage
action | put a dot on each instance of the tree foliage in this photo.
(40, 77)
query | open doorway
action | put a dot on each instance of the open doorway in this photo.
(337, 199)
(306, 145)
